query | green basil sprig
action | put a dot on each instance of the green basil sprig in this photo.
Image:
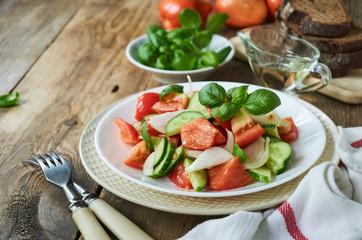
(8, 100)
(171, 88)
(227, 104)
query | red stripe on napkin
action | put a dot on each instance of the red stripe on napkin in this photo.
(357, 144)
(286, 210)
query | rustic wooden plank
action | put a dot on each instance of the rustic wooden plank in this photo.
(26, 29)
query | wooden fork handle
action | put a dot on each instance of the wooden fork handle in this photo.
(88, 224)
(122, 227)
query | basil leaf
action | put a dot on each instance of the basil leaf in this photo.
(238, 152)
(216, 22)
(184, 62)
(238, 95)
(226, 111)
(261, 102)
(189, 18)
(153, 29)
(201, 39)
(223, 53)
(8, 100)
(210, 59)
(171, 88)
(162, 62)
(212, 95)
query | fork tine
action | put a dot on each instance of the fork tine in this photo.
(33, 162)
(59, 157)
(46, 160)
(54, 159)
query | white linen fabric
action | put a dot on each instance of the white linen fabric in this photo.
(327, 204)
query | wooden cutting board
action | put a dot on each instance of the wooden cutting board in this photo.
(347, 89)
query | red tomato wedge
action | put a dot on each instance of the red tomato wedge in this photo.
(171, 102)
(200, 134)
(138, 155)
(226, 125)
(129, 134)
(288, 133)
(145, 103)
(248, 135)
(229, 175)
(179, 177)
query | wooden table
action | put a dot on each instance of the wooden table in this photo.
(67, 60)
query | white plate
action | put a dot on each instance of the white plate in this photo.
(306, 150)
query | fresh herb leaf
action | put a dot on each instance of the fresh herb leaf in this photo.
(162, 62)
(212, 95)
(226, 111)
(152, 29)
(147, 54)
(261, 102)
(210, 59)
(8, 100)
(189, 18)
(201, 39)
(171, 88)
(223, 53)
(184, 62)
(238, 152)
(216, 22)
(238, 95)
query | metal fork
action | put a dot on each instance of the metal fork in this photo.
(59, 173)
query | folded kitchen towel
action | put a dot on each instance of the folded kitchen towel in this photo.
(327, 204)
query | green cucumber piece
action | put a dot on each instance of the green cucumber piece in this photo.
(175, 124)
(195, 105)
(279, 155)
(271, 130)
(161, 168)
(198, 178)
(155, 141)
(160, 152)
(177, 157)
(146, 137)
(263, 174)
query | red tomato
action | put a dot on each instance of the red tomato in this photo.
(179, 177)
(288, 133)
(242, 13)
(144, 104)
(171, 102)
(229, 175)
(272, 6)
(170, 9)
(138, 155)
(175, 139)
(249, 135)
(200, 134)
(226, 125)
(129, 134)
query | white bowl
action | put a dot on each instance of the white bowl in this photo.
(171, 76)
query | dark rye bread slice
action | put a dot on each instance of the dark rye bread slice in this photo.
(349, 43)
(326, 18)
(345, 61)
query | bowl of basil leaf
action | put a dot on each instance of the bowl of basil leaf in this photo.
(188, 50)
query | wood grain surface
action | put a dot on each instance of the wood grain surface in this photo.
(67, 61)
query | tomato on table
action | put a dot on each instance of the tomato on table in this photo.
(229, 175)
(200, 134)
(171, 102)
(180, 178)
(145, 103)
(129, 134)
(248, 135)
(138, 155)
(288, 133)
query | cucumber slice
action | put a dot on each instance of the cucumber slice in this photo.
(148, 165)
(198, 178)
(195, 105)
(263, 174)
(146, 137)
(174, 126)
(279, 155)
(155, 141)
(177, 157)
(161, 168)
(271, 130)
(160, 152)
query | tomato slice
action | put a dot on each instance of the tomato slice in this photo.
(200, 134)
(171, 102)
(138, 155)
(179, 177)
(288, 133)
(145, 103)
(129, 134)
(229, 175)
(248, 135)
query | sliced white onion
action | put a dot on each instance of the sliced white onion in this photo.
(257, 152)
(209, 158)
(159, 122)
(269, 118)
(192, 153)
(148, 165)
(229, 142)
(190, 85)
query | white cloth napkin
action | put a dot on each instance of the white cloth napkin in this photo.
(327, 204)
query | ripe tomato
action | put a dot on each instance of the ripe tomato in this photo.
(288, 133)
(129, 134)
(229, 175)
(144, 104)
(170, 9)
(171, 102)
(272, 6)
(138, 155)
(200, 134)
(179, 177)
(249, 135)
(242, 13)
